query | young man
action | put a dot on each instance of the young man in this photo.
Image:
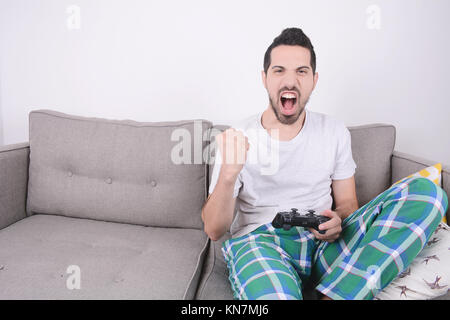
(362, 250)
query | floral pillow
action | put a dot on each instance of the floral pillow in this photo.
(428, 276)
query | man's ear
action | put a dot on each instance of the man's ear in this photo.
(264, 78)
(315, 79)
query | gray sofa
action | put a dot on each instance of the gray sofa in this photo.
(105, 196)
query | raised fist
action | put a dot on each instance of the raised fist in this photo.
(233, 147)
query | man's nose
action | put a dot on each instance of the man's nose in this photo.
(290, 80)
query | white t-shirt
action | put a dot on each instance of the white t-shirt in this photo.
(280, 175)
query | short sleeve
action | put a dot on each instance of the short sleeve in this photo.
(344, 165)
(215, 175)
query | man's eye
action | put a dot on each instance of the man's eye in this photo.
(278, 71)
(302, 71)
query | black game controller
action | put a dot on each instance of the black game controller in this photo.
(287, 220)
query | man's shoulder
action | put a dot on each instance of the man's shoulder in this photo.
(326, 122)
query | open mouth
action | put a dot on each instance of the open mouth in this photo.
(288, 102)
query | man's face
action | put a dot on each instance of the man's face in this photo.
(289, 82)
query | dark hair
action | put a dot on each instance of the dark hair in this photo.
(291, 37)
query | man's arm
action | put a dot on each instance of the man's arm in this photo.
(217, 213)
(344, 195)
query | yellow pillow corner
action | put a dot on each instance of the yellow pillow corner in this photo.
(433, 173)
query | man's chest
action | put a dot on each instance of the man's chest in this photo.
(302, 173)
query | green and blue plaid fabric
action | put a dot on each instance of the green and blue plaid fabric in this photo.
(378, 241)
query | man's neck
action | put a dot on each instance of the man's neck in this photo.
(286, 132)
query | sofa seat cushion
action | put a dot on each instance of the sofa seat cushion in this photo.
(214, 283)
(116, 261)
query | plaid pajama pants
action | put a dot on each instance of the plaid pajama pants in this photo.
(378, 242)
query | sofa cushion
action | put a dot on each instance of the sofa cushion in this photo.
(13, 186)
(116, 261)
(120, 171)
(214, 283)
(372, 148)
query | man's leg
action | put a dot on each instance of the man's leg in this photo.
(379, 240)
(269, 263)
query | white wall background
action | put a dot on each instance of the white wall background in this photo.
(172, 60)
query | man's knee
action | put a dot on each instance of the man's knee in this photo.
(433, 194)
(259, 272)
(424, 186)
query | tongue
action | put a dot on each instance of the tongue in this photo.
(289, 104)
(288, 107)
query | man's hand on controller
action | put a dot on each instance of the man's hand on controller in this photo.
(333, 227)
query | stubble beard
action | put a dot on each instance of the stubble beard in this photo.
(287, 119)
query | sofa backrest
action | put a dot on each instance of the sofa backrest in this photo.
(119, 171)
(372, 148)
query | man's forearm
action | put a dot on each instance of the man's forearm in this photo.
(346, 208)
(218, 211)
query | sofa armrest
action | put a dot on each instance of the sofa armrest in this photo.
(404, 164)
(14, 161)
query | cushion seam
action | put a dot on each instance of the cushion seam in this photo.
(197, 270)
(202, 288)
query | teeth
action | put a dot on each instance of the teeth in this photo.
(288, 96)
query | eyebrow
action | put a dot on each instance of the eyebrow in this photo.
(301, 67)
